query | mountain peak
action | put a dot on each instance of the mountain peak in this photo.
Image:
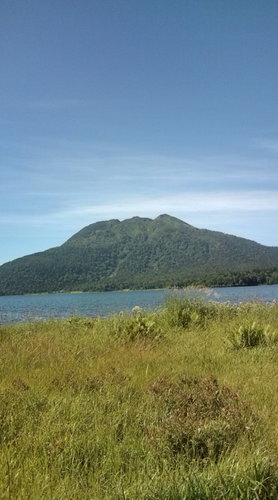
(134, 253)
(163, 216)
(172, 220)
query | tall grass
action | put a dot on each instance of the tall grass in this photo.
(146, 406)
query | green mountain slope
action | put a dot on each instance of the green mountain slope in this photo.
(135, 253)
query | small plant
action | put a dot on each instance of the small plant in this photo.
(79, 321)
(194, 312)
(252, 335)
(199, 418)
(137, 327)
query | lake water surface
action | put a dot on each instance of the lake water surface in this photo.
(15, 308)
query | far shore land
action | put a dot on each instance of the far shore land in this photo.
(188, 287)
(197, 287)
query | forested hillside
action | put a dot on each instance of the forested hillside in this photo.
(141, 253)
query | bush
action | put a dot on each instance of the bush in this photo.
(199, 418)
(137, 327)
(77, 321)
(252, 335)
(186, 312)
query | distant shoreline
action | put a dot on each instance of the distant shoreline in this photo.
(193, 287)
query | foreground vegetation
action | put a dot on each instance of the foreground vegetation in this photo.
(179, 404)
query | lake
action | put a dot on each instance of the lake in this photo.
(17, 308)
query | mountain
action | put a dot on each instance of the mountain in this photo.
(138, 253)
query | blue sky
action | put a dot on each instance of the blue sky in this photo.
(116, 108)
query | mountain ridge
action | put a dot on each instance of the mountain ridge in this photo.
(135, 253)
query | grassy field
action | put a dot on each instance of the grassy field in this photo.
(177, 404)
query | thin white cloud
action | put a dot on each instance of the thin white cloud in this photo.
(190, 203)
(71, 166)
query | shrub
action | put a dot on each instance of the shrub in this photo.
(137, 327)
(199, 418)
(186, 312)
(252, 335)
(77, 321)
